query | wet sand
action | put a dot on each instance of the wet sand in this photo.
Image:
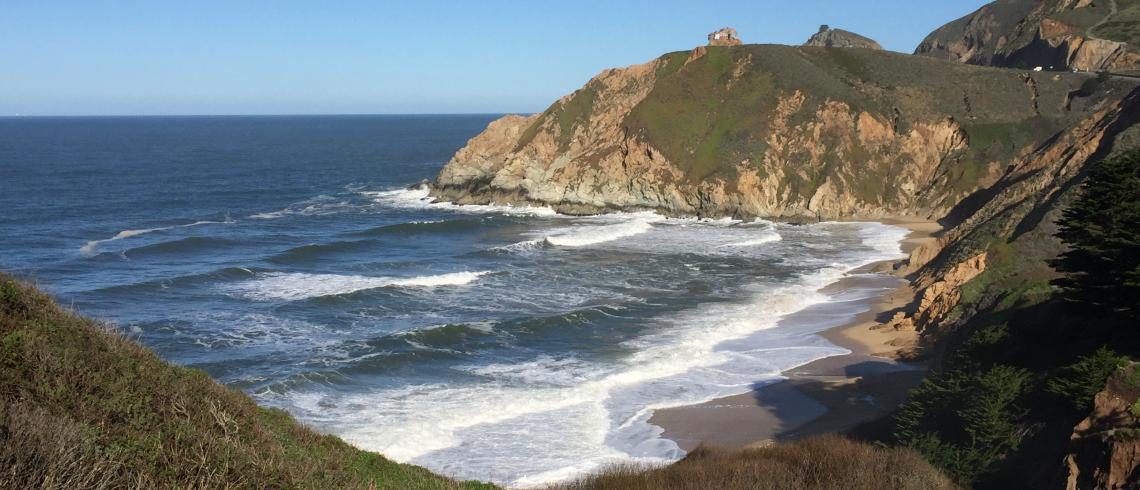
(832, 394)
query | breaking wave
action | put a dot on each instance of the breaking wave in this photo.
(91, 247)
(291, 286)
(419, 198)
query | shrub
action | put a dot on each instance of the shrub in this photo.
(1102, 230)
(827, 462)
(83, 407)
(1079, 382)
(965, 420)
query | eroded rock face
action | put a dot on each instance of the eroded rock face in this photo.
(785, 145)
(1027, 190)
(601, 168)
(1024, 33)
(1105, 448)
(839, 38)
(937, 300)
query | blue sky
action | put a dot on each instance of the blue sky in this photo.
(293, 57)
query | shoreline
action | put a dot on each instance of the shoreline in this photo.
(832, 394)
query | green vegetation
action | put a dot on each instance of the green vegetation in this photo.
(1082, 18)
(712, 113)
(1079, 382)
(691, 115)
(83, 407)
(566, 115)
(1021, 367)
(1102, 229)
(1124, 26)
(828, 462)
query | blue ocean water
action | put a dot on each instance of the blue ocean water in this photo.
(287, 257)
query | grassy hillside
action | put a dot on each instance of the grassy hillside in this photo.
(83, 407)
(711, 113)
(828, 462)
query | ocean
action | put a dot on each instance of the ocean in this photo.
(288, 257)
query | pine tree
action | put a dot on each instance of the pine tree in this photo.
(1102, 230)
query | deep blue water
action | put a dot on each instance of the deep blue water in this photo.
(287, 257)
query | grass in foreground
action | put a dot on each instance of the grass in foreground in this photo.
(83, 407)
(827, 462)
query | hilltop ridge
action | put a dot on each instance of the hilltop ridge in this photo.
(799, 133)
(1054, 34)
(839, 38)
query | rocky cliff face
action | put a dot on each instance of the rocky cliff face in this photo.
(774, 131)
(839, 38)
(1105, 447)
(1019, 205)
(1062, 34)
(806, 133)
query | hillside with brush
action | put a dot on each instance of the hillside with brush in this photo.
(83, 407)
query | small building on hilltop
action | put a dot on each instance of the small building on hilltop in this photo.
(724, 37)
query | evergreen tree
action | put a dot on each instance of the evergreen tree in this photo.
(1102, 230)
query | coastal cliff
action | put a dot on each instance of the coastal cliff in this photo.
(1058, 34)
(812, 133)
(797, 133)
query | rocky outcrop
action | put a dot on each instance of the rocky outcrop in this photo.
(937, 300)
(772, 131)
(1105, 448)
(839, 38)
(1088, 54)
(1030, 33)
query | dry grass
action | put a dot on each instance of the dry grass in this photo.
(83, 407)
(827, 462)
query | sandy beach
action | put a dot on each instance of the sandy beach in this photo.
(832, 394)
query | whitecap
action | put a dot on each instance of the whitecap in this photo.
(297, 285)
(92, 246)
(768, 238)
(581, 236)
(420, 198)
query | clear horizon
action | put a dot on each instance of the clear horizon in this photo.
(355, 58)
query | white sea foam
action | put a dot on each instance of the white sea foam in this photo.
(767, 238)
(595, 414)
(292, 286)
(316, 206)
(271, 214)
(618, 226)
(419, 198)
(92, 246)
(588, 414)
